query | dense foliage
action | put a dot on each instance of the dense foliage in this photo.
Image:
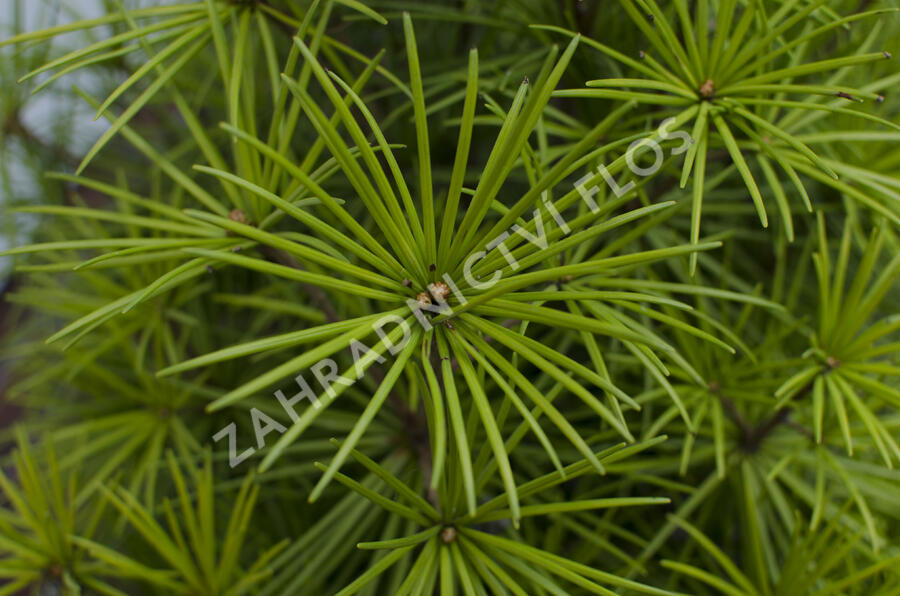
(522, 296)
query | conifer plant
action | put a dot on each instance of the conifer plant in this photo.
(520, 297)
